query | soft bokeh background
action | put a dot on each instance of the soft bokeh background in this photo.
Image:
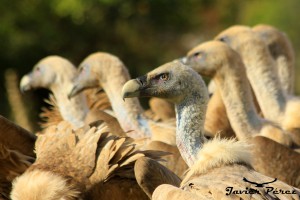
(144, 34)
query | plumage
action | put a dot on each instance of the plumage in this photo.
(16, 153)
(217, 122)
(78, 164)
(282, 51)
(214, 165)
(162, 109)
(150, 174)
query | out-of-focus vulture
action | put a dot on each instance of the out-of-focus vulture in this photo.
(89, 163)
(214, 165)
(57, 74)
(218, 61)
(16, 153)
(108, 72)
(273, 101)
(282, 51)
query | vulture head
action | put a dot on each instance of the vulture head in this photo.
(171, 81)
(209, 57)
(96, 70)
(235, 36)
(48, 72)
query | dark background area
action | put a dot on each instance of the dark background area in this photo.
(144, 34)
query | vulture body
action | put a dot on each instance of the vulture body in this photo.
(225, 66)
(214, 165)
(89, 163)
(273, 101)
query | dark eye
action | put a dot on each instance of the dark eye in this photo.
(37, 69)
(198, 54)
(164, 77)
(223, 39)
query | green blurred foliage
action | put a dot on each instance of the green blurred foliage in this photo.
(144, 34)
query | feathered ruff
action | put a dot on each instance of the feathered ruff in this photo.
(51, 115)
(219, 152)
(12, 164)
(97, 99)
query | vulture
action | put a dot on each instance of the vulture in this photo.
(16, 153)
(282, 51)
(273, 101)
(218, 61)
(219, 168)
(108, 72)
(86, 163)
(57, 74)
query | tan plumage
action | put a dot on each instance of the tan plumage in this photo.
(226, 68)
(217, 182)
(217, 122)
(16, 153)
(74, 164)
(174, 161)
(259, 64)
(162, 109)
(214, 165)
(282, 51)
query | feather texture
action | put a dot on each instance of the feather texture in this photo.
(85, 159)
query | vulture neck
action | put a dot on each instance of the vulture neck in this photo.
(263, 78)
(129, 113)
(190, 116)
(73, 110)
(236, 94)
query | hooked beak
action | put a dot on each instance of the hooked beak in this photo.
(183, 60)
(138, 87)
(131, 89)
(77, 88)
(25, 83)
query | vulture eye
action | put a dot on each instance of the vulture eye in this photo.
(164, 77)
(223, 39)
(197, 55)
(38, 69)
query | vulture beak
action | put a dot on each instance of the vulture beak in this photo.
(25, 83)
(183, 60)
(77, 88)
(135, 87)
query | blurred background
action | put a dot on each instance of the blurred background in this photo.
(143, 34)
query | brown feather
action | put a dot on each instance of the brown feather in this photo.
(150, 174)
(96, 101)
(16, 138)
(84, 158)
